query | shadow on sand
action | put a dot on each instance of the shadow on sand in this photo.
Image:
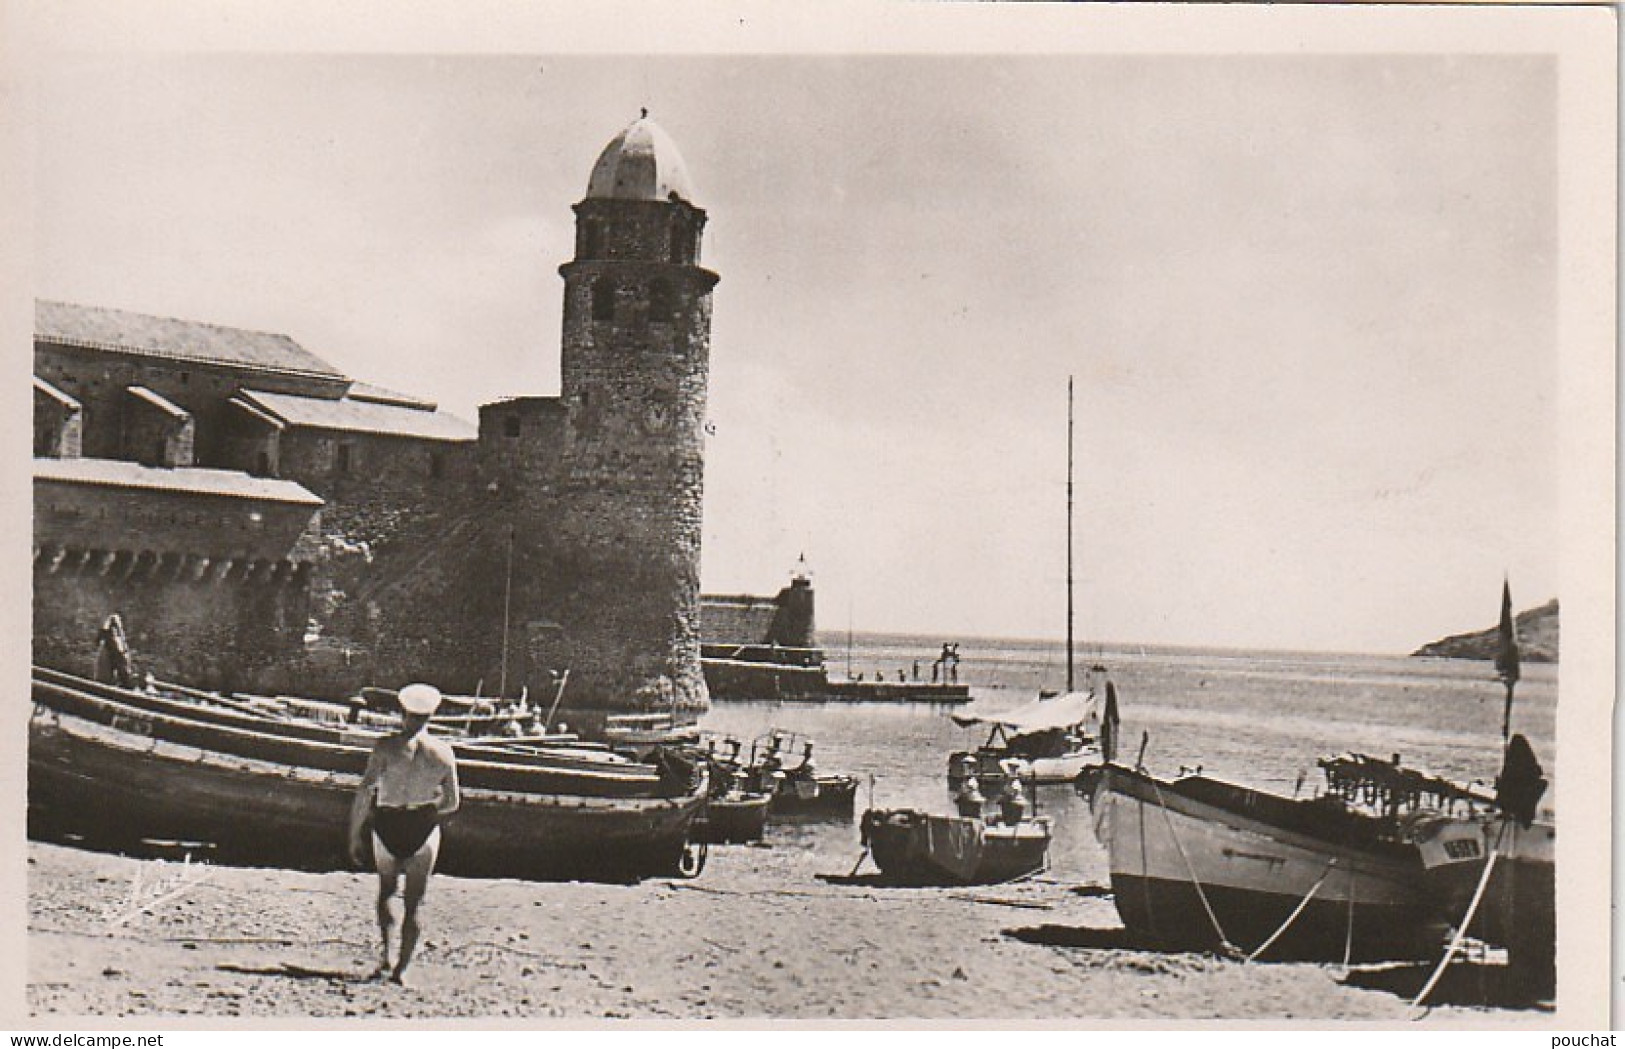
(299, 972)
(1113, 939)
(1465, 984)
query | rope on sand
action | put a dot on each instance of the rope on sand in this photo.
(763, 892)
(463, 948)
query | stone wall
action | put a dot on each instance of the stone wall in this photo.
(58, 428)
(623, 577)
(222, 630)
(115, 517)
(155, 436)
(740, 620)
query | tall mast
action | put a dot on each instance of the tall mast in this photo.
(1069, 670)
(507, 602)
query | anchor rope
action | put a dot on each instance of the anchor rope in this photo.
(1201, 894)
(1466, 921)
(1296, 910)
(1348, 936)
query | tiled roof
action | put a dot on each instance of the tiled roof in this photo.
(190, 479)
(120, 331)
(55, 394)
(366, 391)
(260, 415)
(361, 416)
(159, 401)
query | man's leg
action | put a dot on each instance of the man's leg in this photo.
(417, 870)
(388, 877)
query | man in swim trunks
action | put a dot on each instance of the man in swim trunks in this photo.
(410, 785)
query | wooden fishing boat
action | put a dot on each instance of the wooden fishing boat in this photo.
(1494, 870)
(732, 818)
(497, 763)
(1197, 862)
(639, 735)
(1517, 905)
(795, 785)
(918, 848)
(112, 774)
(1050, 740)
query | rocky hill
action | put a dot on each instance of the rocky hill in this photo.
(1537, 639)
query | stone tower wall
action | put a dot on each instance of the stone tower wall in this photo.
(625, 553)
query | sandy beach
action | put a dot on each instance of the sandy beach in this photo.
(763, 933)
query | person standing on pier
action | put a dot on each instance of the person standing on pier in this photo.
(410, 786)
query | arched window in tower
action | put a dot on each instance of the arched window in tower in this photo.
(603, 299)
(589, 246)
(660, 300)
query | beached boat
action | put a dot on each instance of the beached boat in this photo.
(1517, 905)
(1050, 740)
(579, 768)
(1494, 869)
(1197, 862)
(732, 818)
(639, 735)
(919, 848)
(114, 773)
(794, 783)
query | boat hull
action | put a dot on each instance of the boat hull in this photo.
(732, 821)
(833, 796)
(113, 787)
(1519, 907)
(916, 848)
(1175, 858)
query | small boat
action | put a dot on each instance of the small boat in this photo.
(797, 789)
(113, 773)
(734, 813)
(639, 735)
(1051, 740)
(732, 818)
(1200, 863)
(918, 848)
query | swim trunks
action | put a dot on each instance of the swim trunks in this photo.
(404, 830)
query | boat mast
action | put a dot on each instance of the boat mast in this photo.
(1069, 668)
(1506, 657)
(849, 639)
(507, 599)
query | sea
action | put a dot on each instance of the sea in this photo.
(1258, 718)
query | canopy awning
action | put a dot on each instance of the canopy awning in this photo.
(1063, 711)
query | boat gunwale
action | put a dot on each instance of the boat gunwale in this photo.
(1391, 859)
(170, 751)
(317, 748)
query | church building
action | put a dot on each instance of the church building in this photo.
(263, 522)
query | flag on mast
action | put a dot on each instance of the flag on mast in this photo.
(1506, 655)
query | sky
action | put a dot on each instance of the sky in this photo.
(1309, 304)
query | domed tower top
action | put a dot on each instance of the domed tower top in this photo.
(641, 163)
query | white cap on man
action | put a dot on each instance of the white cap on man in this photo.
(420, 699)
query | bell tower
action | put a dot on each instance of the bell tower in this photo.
(625, 547)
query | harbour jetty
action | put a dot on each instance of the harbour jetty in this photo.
(765, 648)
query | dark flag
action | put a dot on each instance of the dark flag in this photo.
(1506, 656)
(1109, 725)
